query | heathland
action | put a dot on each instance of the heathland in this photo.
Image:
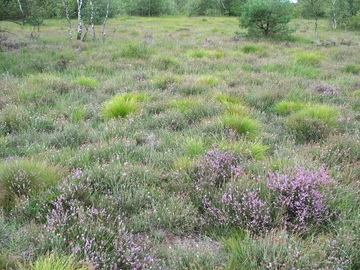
(179, 143)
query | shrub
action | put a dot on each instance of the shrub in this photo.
(22, 178)
(212, 171)
(239, 209)
(301, 196)
(121, 105)
(325, 89)
(267, 18)
(93, 235)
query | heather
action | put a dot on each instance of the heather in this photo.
(179, 143)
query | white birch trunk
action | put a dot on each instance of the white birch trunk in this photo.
(92, 20)
(66, 6)
(79, 28)
(105, 20)
(20, 7)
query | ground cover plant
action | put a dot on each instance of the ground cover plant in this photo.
(179, 143)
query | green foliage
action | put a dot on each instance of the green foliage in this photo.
(287, 107)
(313, 59)
(87, 82)
(267, 18)
(354, 69)
(252, 48)
(53, 262)
(22, 178)
(122, 105)
(208, 80)
(136, 50)
(243, 125)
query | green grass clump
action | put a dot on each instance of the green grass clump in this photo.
(21, 178)
(354, 69)
(166, 62)
(122, 105)
(208, 80)
(243, 125)
(286, 107)
(198, 53)
(87, 82)
(53, 262)
(312, 123)
(166, 81)
(194, 147)
(184, 104)
(355, 93)
(252, 48)
(136, 50)
(313, 59)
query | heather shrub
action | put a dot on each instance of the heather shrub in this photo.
(238, 209)
(301, 197)
(22, 178)
(93, 234)
(210, 174)
(325, 89)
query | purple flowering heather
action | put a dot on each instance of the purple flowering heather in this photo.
(243, 209)
(325, 89)
(216, 168)
(299, 195)
(93, 235)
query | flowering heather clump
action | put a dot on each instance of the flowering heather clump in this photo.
(93, 235)
(216, 168)
(244, 209)
(299, 195)
(325, 89)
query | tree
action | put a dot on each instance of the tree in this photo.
(267, 18)
(315, 9)
(337, 11)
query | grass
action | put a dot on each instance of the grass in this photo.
(121, 142)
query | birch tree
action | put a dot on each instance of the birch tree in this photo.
(105, 20)
(315, 8)
(67, 14)
(79, 23)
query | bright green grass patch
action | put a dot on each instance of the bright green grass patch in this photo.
(165, 81)
(23, 177)
(87, 82)
(252, 48)
(184, 104)
(206, 53)
(322, 112)
(208, 80)
(313, 59)
(252, 150)
(241, 124)
(166, 62)
(286, 107)
(122, 105)
(297, 69)
(354, 69)
(227, 98)
(53, 262)
(194, 147)
(355, 93)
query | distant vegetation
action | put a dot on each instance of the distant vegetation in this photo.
(179, 143)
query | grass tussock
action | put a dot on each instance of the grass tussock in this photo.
(180, 147)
